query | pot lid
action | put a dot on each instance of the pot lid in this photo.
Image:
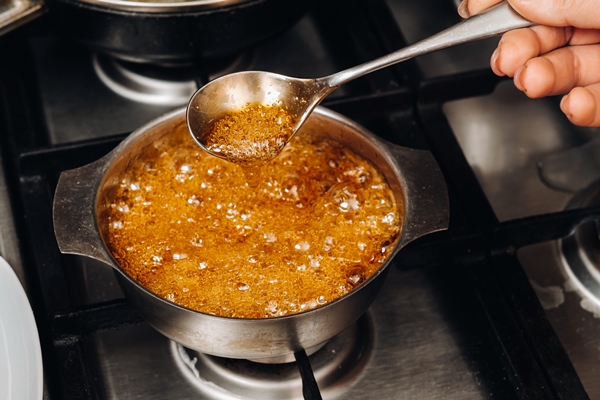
(14, 13)
(151, 6)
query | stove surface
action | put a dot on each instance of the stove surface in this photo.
(486, 310)
(511, 142)
(404, 348)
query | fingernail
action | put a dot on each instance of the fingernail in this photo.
(494, 60)
(563, 103)
(463, 9)
(517, 79)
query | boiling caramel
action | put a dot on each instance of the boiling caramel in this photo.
(251, 137)
(188, 227)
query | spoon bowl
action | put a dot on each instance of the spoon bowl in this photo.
(233, 92)
(298, 97)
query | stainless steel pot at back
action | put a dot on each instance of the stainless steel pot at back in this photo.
(174, 32)
(83, 194)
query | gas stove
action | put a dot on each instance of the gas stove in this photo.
(502, 305)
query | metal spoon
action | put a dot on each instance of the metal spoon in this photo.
(231, 93)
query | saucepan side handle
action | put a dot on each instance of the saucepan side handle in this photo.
(74, 217)
(427, 206)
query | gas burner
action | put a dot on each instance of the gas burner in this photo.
(580, 252)
(334, 366)
(166, 85)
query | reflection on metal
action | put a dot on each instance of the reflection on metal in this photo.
(14, 13)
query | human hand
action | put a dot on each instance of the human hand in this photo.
(560, 55)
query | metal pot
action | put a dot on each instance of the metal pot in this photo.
(173, 32)
(162, 32)
(83, 193)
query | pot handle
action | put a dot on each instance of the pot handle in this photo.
(428, 210)
(73, 212)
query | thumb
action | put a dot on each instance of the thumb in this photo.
(577, 13)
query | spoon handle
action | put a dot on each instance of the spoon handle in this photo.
(496, 20)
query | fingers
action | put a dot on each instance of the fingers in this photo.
(582, 105)
(517, 47)
(557, 56)
(471, 7)
(559, 71)
(577, 13)
(585, 36)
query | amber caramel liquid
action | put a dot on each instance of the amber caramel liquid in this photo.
(188, 227)
(251, 137)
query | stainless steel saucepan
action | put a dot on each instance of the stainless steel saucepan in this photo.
(163, 32)
(83, 194)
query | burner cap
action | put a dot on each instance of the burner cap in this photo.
(334, 366)
(580, 252)
(167, 85)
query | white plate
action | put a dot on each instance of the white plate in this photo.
(21, 372)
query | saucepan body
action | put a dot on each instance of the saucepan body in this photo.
(83, 195)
